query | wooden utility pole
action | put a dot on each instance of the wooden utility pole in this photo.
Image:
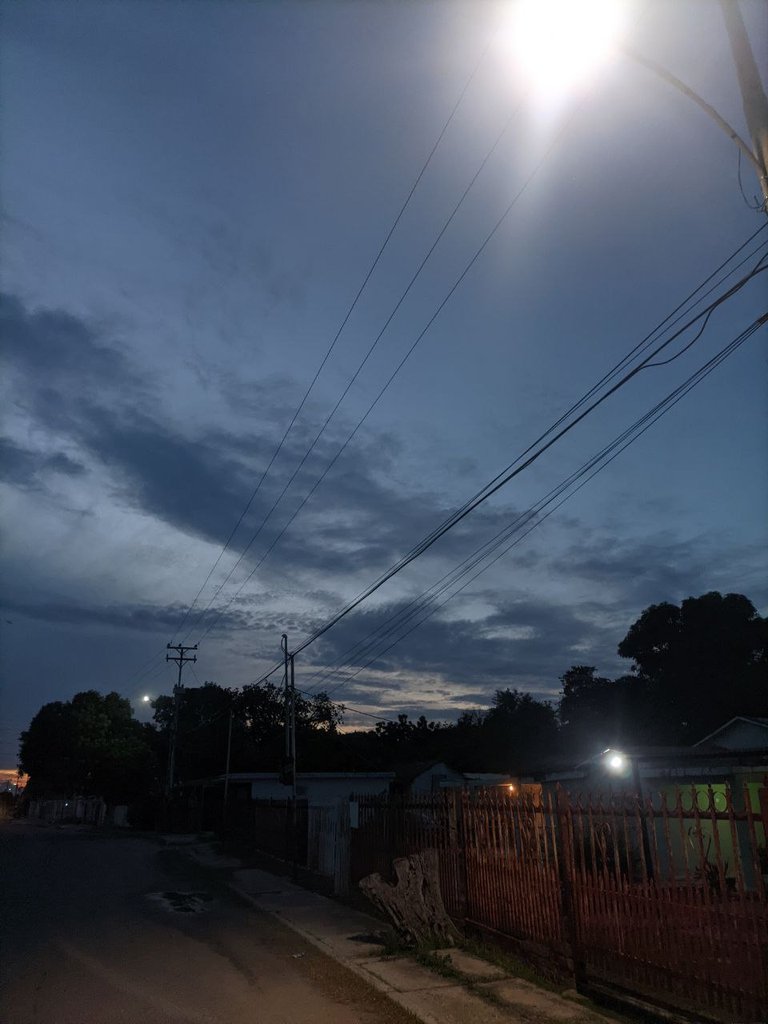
(181, 658)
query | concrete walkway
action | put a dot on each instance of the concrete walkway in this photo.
(466, 990)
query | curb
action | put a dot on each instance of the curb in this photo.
(404, 999)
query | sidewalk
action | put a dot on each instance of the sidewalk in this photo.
(462, 989)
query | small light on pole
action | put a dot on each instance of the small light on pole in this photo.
(623, 764)
(146, 699)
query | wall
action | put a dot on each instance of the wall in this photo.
(323, 790)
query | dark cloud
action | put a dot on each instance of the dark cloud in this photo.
(56, 348)
(23, 467)
(542, 640)
(198, 481)
(142, 617)
(666, 567)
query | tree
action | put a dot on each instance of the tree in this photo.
(596, 712)
(91, 746)
(258, 729)
(703, 661)
(517, 732)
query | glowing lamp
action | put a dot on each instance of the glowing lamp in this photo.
(615, 761)
(559, 44)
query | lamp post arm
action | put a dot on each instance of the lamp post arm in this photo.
(678, 84)
(753, 97)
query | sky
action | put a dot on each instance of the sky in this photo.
(192, 196)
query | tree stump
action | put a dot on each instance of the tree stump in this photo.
(414, 903)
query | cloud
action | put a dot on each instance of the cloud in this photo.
(666, 567)
(465, 661)
(23, 467)
(142, 617)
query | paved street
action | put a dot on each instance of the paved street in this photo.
(115, 930)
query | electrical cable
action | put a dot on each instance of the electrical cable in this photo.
(394, 374)
(595, 465)
(504, 478)
(351, 382)
(706, 320)
(336, 337)
(668, 320)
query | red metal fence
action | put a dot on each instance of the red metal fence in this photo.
(663, 897)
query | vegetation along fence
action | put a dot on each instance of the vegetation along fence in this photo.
(662, 897)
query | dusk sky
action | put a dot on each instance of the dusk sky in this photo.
(192, 196)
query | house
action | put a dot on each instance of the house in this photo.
(704, 804)
(740, 733)
(425, 777)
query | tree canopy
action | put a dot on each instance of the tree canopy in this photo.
(694, 666)
(91, 746)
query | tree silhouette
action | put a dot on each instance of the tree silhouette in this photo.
(703, 662)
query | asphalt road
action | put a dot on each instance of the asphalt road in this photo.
(86, 937)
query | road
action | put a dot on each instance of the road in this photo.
(88, 938)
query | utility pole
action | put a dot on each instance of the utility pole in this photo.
(226, 771)
(181, 658)
(753, 96)
(290, 747)
(290, 716)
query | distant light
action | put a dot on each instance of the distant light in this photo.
(512, 788)
(146, 699)
(615, 761)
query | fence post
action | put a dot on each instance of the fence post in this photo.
(342, 860)
(567, 871)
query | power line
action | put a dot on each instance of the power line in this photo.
(346, 707)
(586, 473)
(671, 320)
(356, 374)
(507, 475)
(332, 345)
(623, 362)
(394, 374)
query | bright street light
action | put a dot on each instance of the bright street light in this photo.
(146, 699)
(615, 761)
(560, 44)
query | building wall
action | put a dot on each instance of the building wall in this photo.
(322, 792)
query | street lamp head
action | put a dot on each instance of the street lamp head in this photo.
(560, 44)
(146, 699)
(615, 761)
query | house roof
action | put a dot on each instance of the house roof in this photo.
(413, 769)
(300, 776)
(761, 723)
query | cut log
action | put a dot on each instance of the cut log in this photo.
(414, 903)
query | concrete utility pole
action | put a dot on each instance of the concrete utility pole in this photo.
(181, 659)
(753, 96)
(290, 715)
(226, 770)
(290, 747)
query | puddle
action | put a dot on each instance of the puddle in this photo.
(181, 902)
